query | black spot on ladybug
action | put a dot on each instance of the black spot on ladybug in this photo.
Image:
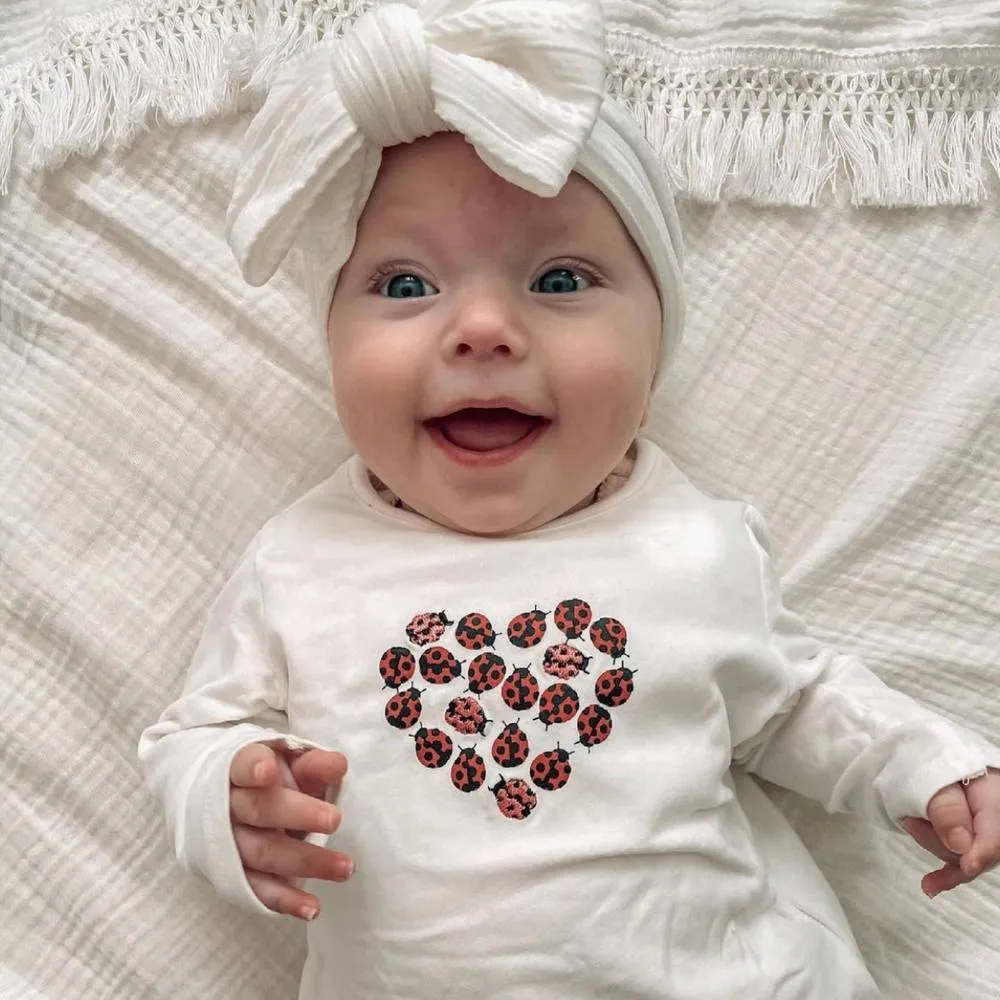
(427, 627)
(511, 748)
(515, 799)
(403, 709)
(609, 636)
(520, 690)
(558, 703)
(474, 631)
(614, 687)
(397, 666)
(439, 666)
(526, 629)
(486, 671)
(564, 661)
(433, 747)
(468, 773)
(594, 725)
(572, 617)
(465, 715)
(551, 770)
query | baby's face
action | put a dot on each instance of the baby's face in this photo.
(492, 350)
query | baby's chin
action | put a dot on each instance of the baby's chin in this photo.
(490, 516)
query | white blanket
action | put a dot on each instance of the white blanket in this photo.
(841, 370)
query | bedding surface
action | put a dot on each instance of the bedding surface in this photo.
(840, 371)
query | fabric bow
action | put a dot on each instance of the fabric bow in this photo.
(521, 79)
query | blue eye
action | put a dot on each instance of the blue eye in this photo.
(406, 286)
(559, 281)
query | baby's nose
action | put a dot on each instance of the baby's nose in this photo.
(487, 328)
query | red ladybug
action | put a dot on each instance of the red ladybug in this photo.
(468, 773)
(434, 747)
(475, 631)
(397, 666)
(551, 770)
(564, 661)
(526, 629)
(403, 709)
(572, 617)
(510, 748)
(614, 687)
(439, 666)
(609, 636)
(594, 725)
(466, 715)
(486, 672)
(558, 703)
(515, 799)
(427, 627)
(520, 690)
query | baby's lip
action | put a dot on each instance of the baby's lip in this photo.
(487, 403)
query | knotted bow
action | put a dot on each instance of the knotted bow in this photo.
(521, 79)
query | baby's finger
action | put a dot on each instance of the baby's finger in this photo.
(949, 814)
(923, 833)
(254, 766)
(274, 853)
(320, 772)
(282, 809)
(943, 879)
(279, 895)
(984, 800)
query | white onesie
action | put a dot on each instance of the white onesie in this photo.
(540, 732)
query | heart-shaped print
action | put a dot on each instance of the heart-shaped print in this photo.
(524, 696)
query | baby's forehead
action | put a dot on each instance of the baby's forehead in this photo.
(440, 183)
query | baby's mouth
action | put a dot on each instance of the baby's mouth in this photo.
(486, 429)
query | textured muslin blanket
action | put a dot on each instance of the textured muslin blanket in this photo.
(841, 371)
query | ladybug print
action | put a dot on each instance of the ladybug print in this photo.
(439, 666)
(593, 725)
(520, 690)
(511, 748)
(427, 627)
(466, 715)
(615, 687)
(397, 666)
(468, 773)
(526, 630)
(551, 770)
(609, 636)
(572, 617)
(475, 631)
(434, 747)
(403, 709)
(564, 661)
(515, 799)
(486, 672)
(558, 703)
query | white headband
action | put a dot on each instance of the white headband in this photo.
(522, 80)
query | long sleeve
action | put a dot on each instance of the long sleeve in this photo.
(234, 694)
(843, 737)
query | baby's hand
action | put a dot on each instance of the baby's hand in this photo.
(276, 797)
(962, 829)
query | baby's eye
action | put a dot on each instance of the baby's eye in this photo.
(406, 286)
(561, 280)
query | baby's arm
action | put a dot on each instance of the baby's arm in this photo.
(843, 737)
(239, 793)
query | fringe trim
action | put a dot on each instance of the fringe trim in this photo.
(773, 126)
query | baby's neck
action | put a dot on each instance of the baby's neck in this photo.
(615, 480)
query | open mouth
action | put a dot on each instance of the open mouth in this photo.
(487, 430)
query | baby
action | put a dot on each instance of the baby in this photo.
(549, 659)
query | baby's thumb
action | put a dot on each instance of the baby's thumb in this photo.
(254, 766)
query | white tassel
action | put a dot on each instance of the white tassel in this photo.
(773, 134)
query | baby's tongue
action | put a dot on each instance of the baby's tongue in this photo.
(486, 430)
